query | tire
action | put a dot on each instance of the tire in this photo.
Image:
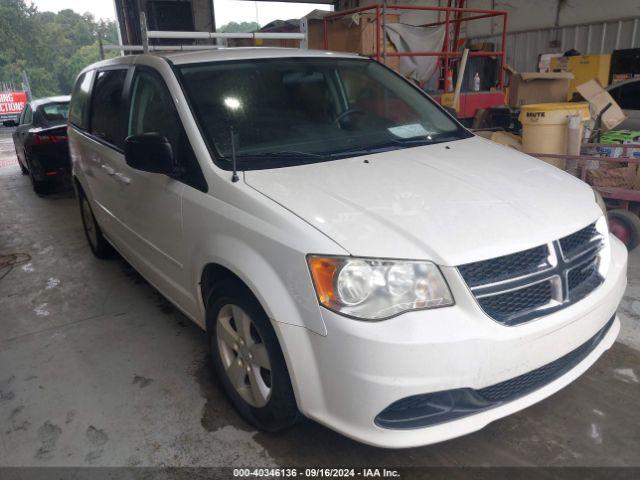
(23, 169)
(229, 308)
(626, 226)
(99, 245)
(40, 187)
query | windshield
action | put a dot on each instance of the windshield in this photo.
(302, 110)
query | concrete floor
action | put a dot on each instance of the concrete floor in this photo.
(96, 368)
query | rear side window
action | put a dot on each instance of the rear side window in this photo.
(55, 112)
(79, 111)
(106, 107)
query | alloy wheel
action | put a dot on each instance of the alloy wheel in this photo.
(244, 355)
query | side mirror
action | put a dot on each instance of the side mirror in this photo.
(149, 152)
(10, 123)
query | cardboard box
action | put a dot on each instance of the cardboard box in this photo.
(619, 177)
(354, 33)
(507, 139)
(538, 87)
(544, 61)
(584, 68)
(598, 99)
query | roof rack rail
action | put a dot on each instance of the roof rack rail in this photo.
(147, 34)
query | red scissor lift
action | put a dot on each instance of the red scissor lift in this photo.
(450, 54)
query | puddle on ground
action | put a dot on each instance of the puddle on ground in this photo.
(217, 412)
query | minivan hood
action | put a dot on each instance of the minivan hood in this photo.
(451, 203)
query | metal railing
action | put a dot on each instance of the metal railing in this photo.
(147, 35)
(452, 16)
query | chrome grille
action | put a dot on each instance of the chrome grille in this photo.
(505, 267)
(503, 307)
(580, 242)
(513, 289)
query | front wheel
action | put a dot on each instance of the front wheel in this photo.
(23, 169)
(248, 360)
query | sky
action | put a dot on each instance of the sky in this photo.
(226, 10)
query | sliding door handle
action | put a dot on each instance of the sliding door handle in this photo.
(108, 169)
(122, 178)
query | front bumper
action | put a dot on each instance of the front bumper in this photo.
(346, 379)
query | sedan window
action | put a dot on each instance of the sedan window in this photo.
(55, 113)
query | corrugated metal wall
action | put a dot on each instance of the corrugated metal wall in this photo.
(524, 47)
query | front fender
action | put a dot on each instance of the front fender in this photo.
(281, 284)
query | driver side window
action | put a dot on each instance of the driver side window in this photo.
(152, 111)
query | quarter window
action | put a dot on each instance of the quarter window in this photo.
(78, 112)
(106, 107)
(27, 116)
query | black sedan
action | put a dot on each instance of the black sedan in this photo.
(41, 143)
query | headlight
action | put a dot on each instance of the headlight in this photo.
(374, 289)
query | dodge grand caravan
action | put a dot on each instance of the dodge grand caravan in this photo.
(354, 254)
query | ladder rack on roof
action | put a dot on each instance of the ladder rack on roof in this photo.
(147, 34)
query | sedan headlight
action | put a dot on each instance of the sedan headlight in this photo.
(374, 289)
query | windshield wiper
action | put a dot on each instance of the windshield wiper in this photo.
(390, 144)
(283, 154)
(425, 140)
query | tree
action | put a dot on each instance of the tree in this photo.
(51, 47)
(243, 27)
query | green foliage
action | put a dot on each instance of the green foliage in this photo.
(243, 27)
(51, 47)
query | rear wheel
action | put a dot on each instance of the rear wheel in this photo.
(39, 186)
(248, 360)
(626, 226)
(98, 244)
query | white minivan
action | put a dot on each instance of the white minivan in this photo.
(354, 254)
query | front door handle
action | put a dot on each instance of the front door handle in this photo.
(122, 178)
(108, 169)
